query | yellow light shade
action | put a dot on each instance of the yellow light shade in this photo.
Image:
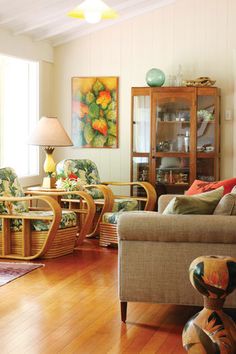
(93, 11)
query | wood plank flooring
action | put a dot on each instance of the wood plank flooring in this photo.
(71, 306)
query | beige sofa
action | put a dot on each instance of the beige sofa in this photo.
(155, 252)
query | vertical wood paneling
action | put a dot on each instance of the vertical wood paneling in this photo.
(199, 35)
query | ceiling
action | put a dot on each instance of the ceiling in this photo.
(47, 20)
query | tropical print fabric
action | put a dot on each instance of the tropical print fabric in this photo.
(120, 206)
(84, 169)
(10, 187)
(68, 220)
(111, 218)
(125, 205)
(87, 171)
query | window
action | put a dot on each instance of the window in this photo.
(19, 91)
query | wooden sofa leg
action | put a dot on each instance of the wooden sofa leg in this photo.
(123, 307)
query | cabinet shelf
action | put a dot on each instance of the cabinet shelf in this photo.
(207, 155)
(175, 184)
(173, 122)
(171, 154)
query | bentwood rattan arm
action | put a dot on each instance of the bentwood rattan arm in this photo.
(75, 205)
(151, 196)
(107, 205)
(26, 227)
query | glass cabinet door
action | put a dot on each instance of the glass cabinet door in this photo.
(141, 124)
(207, 146)
(141, 172)
(173, 125)
(172, 171)
(173, 141)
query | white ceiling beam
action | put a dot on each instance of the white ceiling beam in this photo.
(105, 24)
(53, 18)
(59, 30)
(27, 8)
(16, 12)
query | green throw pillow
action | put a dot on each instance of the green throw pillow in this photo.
(204, 203)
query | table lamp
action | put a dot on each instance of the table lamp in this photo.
(49, 133)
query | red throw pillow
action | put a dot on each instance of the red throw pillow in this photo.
(199, 186)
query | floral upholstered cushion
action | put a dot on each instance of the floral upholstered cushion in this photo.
(111, 218)
(10, 187)
(68, 220)
(84, 169)
(119, 207)
(125, 205)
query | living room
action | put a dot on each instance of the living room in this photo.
(42, 311)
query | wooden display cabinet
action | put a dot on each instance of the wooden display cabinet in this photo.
(175, 136)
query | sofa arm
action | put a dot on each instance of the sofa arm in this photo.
(164, 199)
(152, 226)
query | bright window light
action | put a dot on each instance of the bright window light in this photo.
(19, 113)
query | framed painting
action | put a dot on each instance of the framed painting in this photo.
(95, 112)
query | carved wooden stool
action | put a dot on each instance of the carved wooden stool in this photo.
(211, 331)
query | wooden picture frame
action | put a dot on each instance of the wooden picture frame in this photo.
(95, 112)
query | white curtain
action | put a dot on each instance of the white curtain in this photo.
(142, 124)
(18, 114)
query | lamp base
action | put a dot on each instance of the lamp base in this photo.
(49, 182)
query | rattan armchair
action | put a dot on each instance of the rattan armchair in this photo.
(29, 232)
(108, 205)
(146, 202)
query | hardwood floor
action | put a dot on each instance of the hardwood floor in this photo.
(71, 306)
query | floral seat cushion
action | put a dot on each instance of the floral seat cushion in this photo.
(119, 207)
(111, 218)
(10, 187)
(125, 205)
(68, 220)
(128, 204)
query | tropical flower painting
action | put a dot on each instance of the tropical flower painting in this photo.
(95, 112)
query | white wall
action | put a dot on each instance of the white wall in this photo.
(24, 47)
(198, 34)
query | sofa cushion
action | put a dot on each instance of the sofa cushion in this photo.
(155, 227)
(204, 203)
(227, 205)
(199, 186)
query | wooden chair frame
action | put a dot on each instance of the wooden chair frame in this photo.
(28, 244)
(108, 232)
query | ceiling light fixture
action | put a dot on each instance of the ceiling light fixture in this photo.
(93, 11)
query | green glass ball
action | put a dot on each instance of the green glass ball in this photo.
(155, 77)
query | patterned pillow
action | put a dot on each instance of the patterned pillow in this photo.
(199, 186)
